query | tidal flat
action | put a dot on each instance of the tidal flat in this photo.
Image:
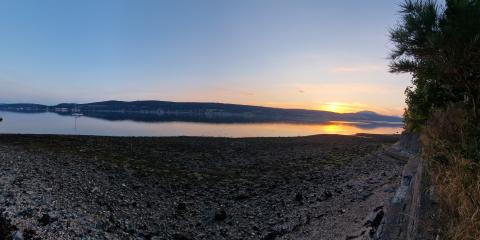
(314, 187)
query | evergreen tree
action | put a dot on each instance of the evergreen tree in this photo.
(440, 47)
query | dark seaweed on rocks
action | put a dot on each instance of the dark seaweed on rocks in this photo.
(70, 187)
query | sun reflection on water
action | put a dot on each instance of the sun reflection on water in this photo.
(49, 123)
(332, 128)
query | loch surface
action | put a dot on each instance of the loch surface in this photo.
(53, 123)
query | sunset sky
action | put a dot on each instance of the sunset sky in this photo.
(329, 55)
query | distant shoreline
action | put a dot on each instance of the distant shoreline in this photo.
(203, 112)
(42, 135)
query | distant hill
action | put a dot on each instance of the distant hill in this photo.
(209, 112)
(23, 107)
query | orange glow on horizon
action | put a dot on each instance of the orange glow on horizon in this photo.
(340, 107)
(334, 97)
(337, 107)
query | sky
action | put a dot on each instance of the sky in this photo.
(313, 54)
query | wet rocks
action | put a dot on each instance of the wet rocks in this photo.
(374, 220)
(220, 215)
(46, 219)
(26, 213)
(372, 226)
(17, 235)
(181, 206)
(242, 196)
(365, 194)
(181, 236)
(325, 196)
(168, 188)
(298, 197)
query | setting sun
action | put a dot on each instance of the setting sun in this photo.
(332, 108)
(337, 107)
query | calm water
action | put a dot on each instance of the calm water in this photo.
(52, 123)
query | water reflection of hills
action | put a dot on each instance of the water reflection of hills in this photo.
(216, 119)
(372, 125)
(219, 113)
(162, 111)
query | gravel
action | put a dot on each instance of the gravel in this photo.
(85, 187)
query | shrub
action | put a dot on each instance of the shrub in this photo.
(456, 177)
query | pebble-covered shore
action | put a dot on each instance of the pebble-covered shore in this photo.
(84, 187)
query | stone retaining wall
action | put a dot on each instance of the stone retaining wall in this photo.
(402, 215)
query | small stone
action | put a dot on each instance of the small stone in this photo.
(241, 196)
(390, 190)
(432, 195)
(181, 236)
(298, 197)
(26, 213)
(364, 195)
(46, 219)
(17, 236)
(220, 215)
(327, 194)
(30, 234)
(181, 206)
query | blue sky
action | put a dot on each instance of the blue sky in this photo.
(295, 53)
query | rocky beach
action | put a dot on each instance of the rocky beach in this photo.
(86, 187)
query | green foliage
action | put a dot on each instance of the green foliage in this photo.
(440, 48)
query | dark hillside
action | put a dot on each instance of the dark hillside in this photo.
(204, 112)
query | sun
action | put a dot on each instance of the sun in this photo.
(332, 107)
(335, 107)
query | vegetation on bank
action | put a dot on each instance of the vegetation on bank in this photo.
(440, 47)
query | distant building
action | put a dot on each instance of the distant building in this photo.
(61, 109)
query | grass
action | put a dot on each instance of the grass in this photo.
(456, 177)
(458, 189)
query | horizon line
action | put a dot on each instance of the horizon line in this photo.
(207, 102)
